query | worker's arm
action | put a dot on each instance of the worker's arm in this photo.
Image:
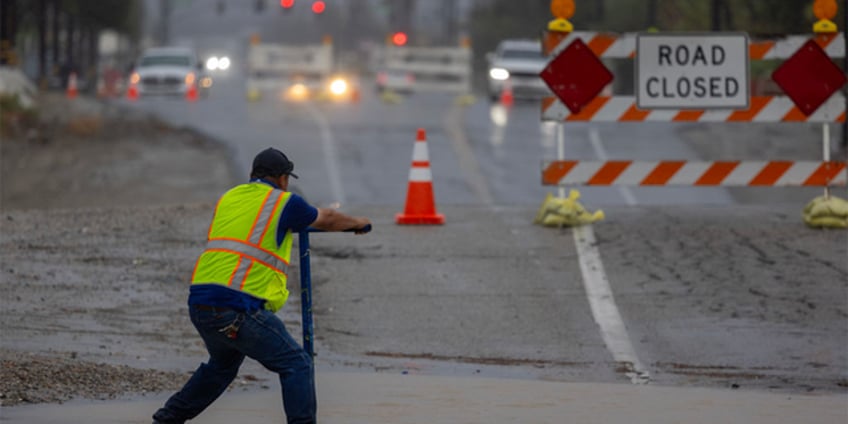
(333, 220)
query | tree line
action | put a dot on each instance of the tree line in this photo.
(66, 32)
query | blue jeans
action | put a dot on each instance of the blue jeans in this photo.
(262, 337)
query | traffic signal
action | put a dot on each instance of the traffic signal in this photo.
(287, 4)
(399, 38)
(318, 7)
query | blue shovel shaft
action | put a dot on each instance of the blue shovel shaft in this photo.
(306, 292)
(306, 288)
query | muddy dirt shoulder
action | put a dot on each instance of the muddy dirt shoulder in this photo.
(86, 153)
(100, 167)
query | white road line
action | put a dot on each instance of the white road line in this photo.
(603, 306)
(330, 155)
(598, 289)
(595, 139)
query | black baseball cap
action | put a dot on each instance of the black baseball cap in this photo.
(272, 162)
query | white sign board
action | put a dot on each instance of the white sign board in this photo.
(692, 71)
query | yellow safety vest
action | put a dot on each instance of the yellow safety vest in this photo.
(241, 251)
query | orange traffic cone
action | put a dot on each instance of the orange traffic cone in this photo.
(506, 94)
(132, 92)
(191, 93)
(420, 204)
(71, 92)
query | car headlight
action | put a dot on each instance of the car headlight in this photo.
(297, 92)
(338, 86)
(499, 74)
(224, 63)
(212, 63)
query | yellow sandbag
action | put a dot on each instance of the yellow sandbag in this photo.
(829, 212)
(557, 212)
(831, 206)
(826, 222)
(553, 220)
(557, 220)
(554, 205)
(389, 96)
(543, 209)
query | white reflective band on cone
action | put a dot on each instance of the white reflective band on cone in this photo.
(420, 174)
(419, 152)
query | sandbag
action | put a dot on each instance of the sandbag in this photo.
(565, 212)
(826, 212)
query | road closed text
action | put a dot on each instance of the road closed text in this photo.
(692, 71)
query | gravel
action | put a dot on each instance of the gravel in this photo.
(36, 378)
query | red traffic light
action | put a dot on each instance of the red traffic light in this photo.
(286, 4)
(399, 38)
(318, 7)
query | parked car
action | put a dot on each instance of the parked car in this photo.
(395, 80)
(169, 71)
(517, 63)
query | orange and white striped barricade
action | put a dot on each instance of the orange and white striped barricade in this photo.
(762, 109)
(695, 173)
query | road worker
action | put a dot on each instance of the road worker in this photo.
(239, 283)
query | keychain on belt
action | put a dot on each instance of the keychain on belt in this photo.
(231, 331)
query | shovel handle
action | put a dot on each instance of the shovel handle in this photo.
(365, 229)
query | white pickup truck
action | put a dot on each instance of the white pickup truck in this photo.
(169, 71)
(516, 64)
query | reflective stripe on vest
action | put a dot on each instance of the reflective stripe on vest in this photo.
(250, 248)
(251, 251)
(264, 217)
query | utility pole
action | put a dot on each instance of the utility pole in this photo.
(715, 14)
(449, 18)
(165, 21)
(8, 29)
(652, 13)
(56, 15)
(400, 15)
(42, 44)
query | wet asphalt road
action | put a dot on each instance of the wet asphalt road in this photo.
(716, 298)
(737, 306)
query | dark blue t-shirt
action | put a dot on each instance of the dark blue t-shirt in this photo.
(297, 216)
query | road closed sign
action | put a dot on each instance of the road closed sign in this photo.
(696, 71)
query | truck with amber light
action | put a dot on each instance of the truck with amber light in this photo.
(296, 73)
